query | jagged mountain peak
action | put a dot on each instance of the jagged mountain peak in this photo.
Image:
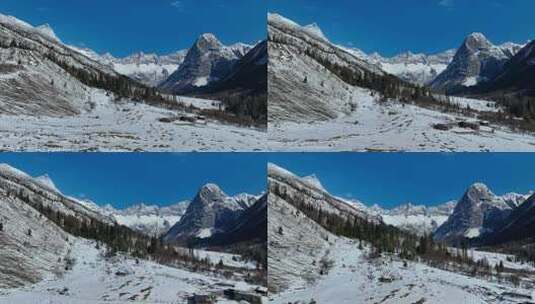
(478, 194)
(478, 212)
(210, 212)
(476, 61)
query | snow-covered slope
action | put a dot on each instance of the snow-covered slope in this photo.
(478, 212)
(477, 60)
(95, 278)
(39, 260)
(207, 61)
(300, 86)
(17, 181)
(31, 81)
(27, 258)
(33, 247)
(210, 212)
(356, 278)
(311, 193)
(296, 246)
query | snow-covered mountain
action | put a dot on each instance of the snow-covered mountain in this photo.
(312, 193)
(206, 62)
(517, 74)
(520, 225)
(296, 245)
(417, 219)
(211, 211)
(477, 60)
(302, 84)
(33, 79)
(148, 69)
(478, 212)
(248, 76)
(250, 227)
(34, 247)
(151, 220)
(419, 69)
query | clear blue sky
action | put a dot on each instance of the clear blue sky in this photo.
(421, 178)
(122, 27)
(392, 26)
(122, 179)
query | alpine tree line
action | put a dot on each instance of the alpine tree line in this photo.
(122, 86)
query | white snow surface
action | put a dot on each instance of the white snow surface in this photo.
(94, 280)
(355, 279)
(391, 126)
(123, 126)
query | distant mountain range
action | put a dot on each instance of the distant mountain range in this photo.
(149, 69)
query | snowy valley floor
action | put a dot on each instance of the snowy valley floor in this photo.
(95, 279)
(354, 279)
(123, 127)
(393, 127)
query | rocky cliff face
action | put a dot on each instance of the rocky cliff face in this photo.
(478, 212)
(206, 62)
(477, 60)
(210, 212)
